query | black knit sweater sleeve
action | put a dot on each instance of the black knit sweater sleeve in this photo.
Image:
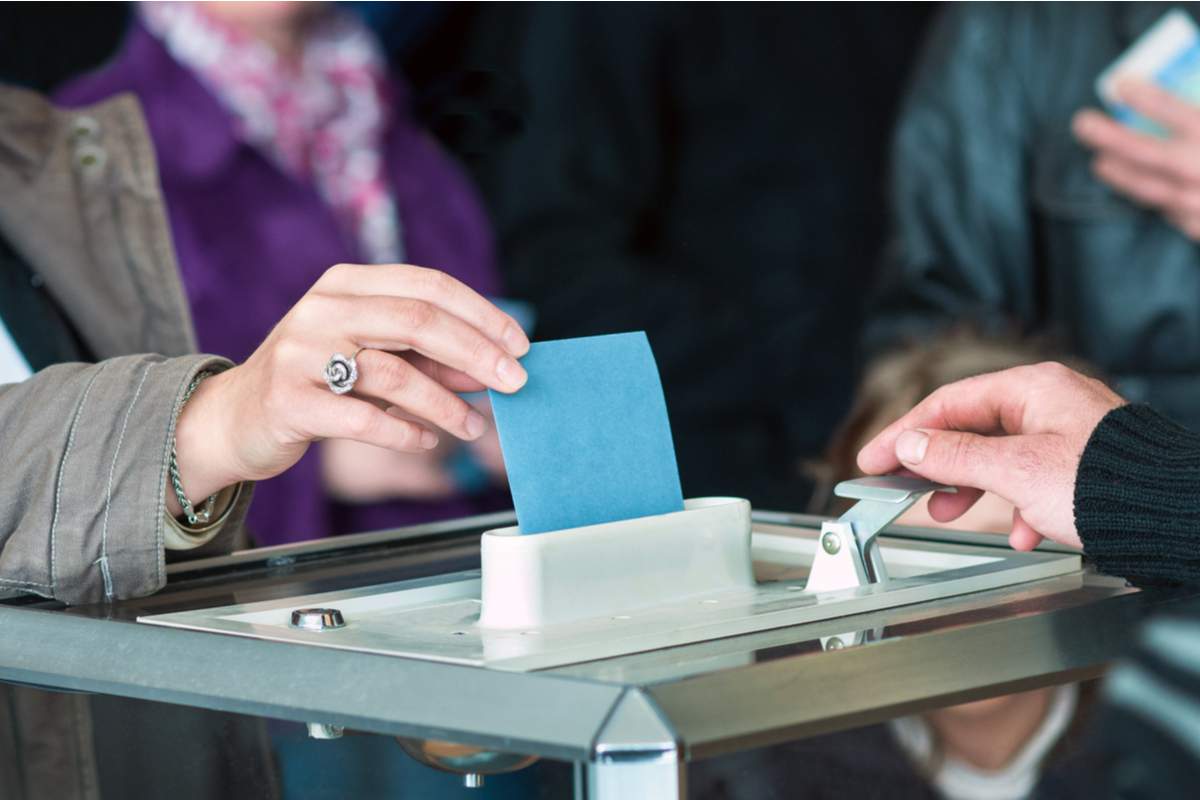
(1137, 497)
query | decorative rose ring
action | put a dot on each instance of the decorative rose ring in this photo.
(341, 372)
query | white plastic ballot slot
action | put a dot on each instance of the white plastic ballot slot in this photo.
(605, 570)
(599, 571)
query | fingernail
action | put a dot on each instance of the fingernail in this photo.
(476, 424)
(516, 341)
(911, 447)
(511, 373)
(428, 440)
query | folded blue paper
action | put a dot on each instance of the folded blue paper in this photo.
(587, 440)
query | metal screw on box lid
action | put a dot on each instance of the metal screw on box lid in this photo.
(317, 619)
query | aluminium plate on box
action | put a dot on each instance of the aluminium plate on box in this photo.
(437, 618)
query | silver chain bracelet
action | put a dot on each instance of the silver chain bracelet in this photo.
(189, 512)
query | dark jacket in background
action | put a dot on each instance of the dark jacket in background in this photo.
(708, 173)
(999, 221)
(44, 44)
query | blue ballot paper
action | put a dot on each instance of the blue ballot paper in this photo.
(587, 440)
(1168, 54)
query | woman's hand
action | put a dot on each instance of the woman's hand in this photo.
(353, 472)
(427, 336)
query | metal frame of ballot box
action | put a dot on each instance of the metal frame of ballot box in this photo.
(630, 722)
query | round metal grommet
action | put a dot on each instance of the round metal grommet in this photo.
(317, 619)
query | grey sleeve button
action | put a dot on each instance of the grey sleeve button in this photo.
(90, 158)
(84, 127)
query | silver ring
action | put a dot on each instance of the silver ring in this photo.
(340, 372)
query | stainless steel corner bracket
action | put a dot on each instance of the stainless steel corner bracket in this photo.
(848, 554)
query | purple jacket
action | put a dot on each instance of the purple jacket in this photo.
(251, 240)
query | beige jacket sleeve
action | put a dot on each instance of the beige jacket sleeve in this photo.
(84, 450)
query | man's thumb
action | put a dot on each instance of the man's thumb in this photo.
(954, 457)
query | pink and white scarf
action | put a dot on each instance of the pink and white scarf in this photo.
(321, 120)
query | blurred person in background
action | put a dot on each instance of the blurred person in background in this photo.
(708, 173)
(286, 145)
(994, 749)
(1020, 208)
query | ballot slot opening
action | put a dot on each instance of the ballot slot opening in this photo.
(613, 568)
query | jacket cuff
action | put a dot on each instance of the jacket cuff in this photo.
(110, 529)
(1137, 497)
(178, 535)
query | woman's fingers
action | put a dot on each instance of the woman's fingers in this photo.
(433, 287)
(391, 378)
(330, 416)
(395, 323)
(453, 379)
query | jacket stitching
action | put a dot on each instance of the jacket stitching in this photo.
(15, 582)
(62, 471)
(112, 469)
(156, 230)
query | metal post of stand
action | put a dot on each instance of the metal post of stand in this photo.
(637, 779)
(636, 756)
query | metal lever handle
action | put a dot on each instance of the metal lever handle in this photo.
(881, 499)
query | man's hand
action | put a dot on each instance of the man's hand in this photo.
(1163, 174)
(1018, 433)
